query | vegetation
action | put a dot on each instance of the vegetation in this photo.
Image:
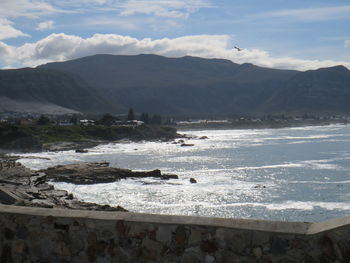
(26, 136)
(172, 87)
(196, 86)
(43, 120)
(144, 117)
(107, 119)
(131, 115)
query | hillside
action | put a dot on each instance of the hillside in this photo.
(187, 86)
(321, 90)
(152, 71)
(48, 91)
(197, 86)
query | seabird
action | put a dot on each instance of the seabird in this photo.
(239, 49)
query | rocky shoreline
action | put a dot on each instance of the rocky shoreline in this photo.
(37, 138)
(72, 145)
(24, 187)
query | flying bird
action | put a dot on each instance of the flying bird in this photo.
(239, 49)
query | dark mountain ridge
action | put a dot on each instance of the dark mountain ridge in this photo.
(321, 90)
(189, 86)
(153, 71)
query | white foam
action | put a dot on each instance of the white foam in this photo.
(236, 170)
(299, 205)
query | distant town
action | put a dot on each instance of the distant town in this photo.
(132, 119)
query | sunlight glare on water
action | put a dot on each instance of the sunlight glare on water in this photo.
(295, 174)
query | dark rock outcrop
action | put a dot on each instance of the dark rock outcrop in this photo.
(193, 181)
(22, 186)
(187, 144)
(81, 151)
(94, 173)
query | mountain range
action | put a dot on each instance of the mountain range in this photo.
(187, 86)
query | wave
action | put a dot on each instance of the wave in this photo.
(323, 164)
(287, 205)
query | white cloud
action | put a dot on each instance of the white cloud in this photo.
(312, 14)
(67, 3)
(8, 31)
(60, 47)
(46, 25)
(163, 8)
(156, 8)
(26, 8)
(347, 43)
(10, 10)
(99, 2)
(5, 50)
(113, 22)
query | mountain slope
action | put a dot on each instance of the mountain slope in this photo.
(51, 87)
(188, 86)
(152, 71)
(177, 85)
(325, 89)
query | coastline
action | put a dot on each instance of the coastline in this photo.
(254, 125)
(142, 133)
(36, 138)
(22, 186)
(122, 155)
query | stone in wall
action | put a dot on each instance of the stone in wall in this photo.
(126, 237)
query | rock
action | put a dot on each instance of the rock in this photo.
(210, 259)
(187, 144)
(44, 187)
(94, 173)
(170, 176)
(65, 146)
(259, 186)
(23, 187)
(81, 151)
(195, 238)
(6, 197)
(257, 251)
(209, 246)
(203, 137)
(193, 181)
(103, 164)
(191, 258)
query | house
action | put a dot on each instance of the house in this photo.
(86, 122)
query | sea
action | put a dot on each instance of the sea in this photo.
(287, 174)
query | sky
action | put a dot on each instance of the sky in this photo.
(298, 34)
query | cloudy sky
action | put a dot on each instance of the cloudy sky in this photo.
(299, 34)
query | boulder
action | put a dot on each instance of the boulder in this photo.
(22, 186)
(94, 173)
(81, 151)
(187, 144)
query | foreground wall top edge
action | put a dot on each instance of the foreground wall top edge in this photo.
(244, 224)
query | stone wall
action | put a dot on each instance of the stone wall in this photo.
(58, 235)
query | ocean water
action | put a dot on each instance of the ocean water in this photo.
(289, 174)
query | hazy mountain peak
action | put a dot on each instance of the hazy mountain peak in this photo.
(338, 68)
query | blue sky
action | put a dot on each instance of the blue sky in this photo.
(297, 34)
